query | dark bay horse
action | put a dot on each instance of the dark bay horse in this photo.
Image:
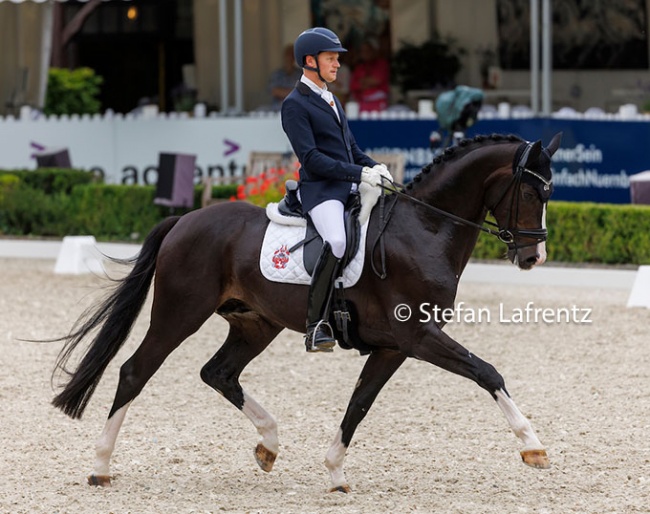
(207, 261)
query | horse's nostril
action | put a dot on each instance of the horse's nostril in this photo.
(532, 259)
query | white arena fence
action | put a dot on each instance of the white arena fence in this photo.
(125, 148)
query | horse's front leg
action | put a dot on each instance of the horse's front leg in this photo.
(533, 452)
(380, 366)
(438, 348)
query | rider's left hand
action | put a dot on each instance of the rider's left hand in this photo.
(383, 171)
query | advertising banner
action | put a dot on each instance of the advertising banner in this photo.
(594, 163)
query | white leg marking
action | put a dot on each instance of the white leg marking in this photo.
(106, 443)
(541, 247)
(518, 422)
(334, 461)
(263, 422)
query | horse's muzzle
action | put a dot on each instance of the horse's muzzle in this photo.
(526, 257)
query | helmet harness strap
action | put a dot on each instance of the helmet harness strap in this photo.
(316, 69)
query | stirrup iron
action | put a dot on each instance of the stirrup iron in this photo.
(327, 345)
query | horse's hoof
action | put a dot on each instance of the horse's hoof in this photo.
(264, 457)
(99, 480)
(536, 459)
(341, 489)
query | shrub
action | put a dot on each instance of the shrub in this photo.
(30, 211)
(35, 202)
(32, 204)
(114, 211)
(46, 203)
(72, 91)
(588, 233)
(121, 212)
(52, 180)
(8, 183)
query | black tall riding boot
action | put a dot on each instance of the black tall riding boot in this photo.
(320, 337)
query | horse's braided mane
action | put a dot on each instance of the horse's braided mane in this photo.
(463, 146)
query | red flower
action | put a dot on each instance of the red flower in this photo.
(241, 192)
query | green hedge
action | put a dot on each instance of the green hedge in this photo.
(109, 212)
(124, 212)
(24, 210)
(49, 180)
(610, 234)
(34, 201)
(114, 212)
(588, 233)
(60, 202)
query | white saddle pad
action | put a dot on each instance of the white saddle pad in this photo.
(278, 265)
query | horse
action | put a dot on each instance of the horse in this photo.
(207, 261)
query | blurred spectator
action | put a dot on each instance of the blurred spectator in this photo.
(284, 79)
(369, 83)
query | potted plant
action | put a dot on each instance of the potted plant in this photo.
(72, 91)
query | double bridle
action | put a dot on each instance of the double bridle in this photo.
(508, 235)
(505, 235)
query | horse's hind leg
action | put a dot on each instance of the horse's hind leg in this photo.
(446, 353)
(104, 448)
(249, 335)
(171, 323)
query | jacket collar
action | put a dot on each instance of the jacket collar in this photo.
(304, 89)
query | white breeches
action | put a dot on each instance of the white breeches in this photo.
(329, 222)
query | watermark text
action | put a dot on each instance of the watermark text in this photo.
(464, 313)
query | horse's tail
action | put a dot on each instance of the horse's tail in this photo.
(116, 315)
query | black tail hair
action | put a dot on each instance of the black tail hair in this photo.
(116, 316)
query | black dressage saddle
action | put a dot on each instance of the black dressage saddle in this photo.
(312, 243)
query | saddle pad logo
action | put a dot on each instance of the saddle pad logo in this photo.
(278, 265)
(280, 257)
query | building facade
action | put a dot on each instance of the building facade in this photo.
(222, 52)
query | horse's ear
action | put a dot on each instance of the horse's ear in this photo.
(554, 144)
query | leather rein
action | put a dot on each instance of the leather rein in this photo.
(506, 235)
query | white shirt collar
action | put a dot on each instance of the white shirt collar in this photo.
(313, 86)
(323, 92)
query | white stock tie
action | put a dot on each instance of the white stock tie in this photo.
(329, 98)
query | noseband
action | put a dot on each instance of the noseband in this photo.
(508, 235)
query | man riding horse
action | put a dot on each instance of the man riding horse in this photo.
(332, 166)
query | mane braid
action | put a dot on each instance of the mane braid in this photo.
(461, 148)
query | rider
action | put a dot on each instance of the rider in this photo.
(332, 165)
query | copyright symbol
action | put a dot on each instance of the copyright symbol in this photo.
(402, 312)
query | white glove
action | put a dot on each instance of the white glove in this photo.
(371, 176)
(383, 171)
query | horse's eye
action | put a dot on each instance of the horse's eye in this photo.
(529, 196)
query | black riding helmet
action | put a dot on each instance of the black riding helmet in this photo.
(312, 42)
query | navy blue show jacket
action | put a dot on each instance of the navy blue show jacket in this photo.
(330, 159)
